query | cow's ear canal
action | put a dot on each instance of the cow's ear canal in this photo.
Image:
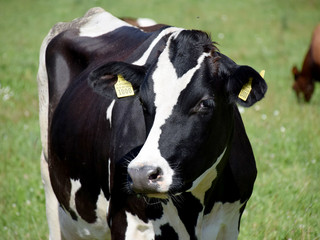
(104, 78)
(246, 86)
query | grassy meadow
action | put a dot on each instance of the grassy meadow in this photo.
(265, 34)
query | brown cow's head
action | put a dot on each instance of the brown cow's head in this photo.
(302, 84)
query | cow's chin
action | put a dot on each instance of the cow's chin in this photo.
(158, 195)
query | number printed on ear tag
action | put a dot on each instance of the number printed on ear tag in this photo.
(123, 87)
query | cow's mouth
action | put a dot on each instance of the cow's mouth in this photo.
(158, 195)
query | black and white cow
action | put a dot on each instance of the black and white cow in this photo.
(171, 162)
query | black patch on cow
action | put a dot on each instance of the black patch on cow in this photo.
(186, 48)
(78, 148)
(86, 199)
(118, 225)
(237, 175)
(167, 232)
(73, 215)
(189, 217)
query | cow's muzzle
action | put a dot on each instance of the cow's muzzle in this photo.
(145, 179)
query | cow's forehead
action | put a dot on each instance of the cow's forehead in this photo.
(167, 85)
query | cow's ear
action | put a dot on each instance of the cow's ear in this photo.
(246, 86)
(103, 78)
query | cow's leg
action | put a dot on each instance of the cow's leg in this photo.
(52, 205)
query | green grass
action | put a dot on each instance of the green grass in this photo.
(266, 34)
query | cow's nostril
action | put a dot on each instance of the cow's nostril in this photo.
(155, 174)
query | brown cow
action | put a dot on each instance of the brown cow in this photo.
(304, 80)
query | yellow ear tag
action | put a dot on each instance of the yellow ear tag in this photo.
(246, 89)
(123, 88)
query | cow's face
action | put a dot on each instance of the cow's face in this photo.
(188, 96)
(302, 84)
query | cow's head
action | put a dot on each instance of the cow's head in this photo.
(188, 95)
(302, 84)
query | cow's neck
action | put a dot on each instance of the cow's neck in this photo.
(220, 219)
(221, 223)
(204, 182)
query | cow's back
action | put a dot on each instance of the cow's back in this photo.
(78, 48)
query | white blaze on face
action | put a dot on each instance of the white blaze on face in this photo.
(143, 59)
(167, 88)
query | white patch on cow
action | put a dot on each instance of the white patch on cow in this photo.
(204, 181)
(142, 61)
(221, 222)
(146, 22)
(109, 112)
(109, 118)
(75, 186)
(170, 216)
(167, 88)
(170, 212)
(138, 229)
(80, 229)
(109, 173)
(101, 23)
(102, 208)
(60, 221)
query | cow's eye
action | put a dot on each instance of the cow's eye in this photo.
(207, 103)
(204, 106)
